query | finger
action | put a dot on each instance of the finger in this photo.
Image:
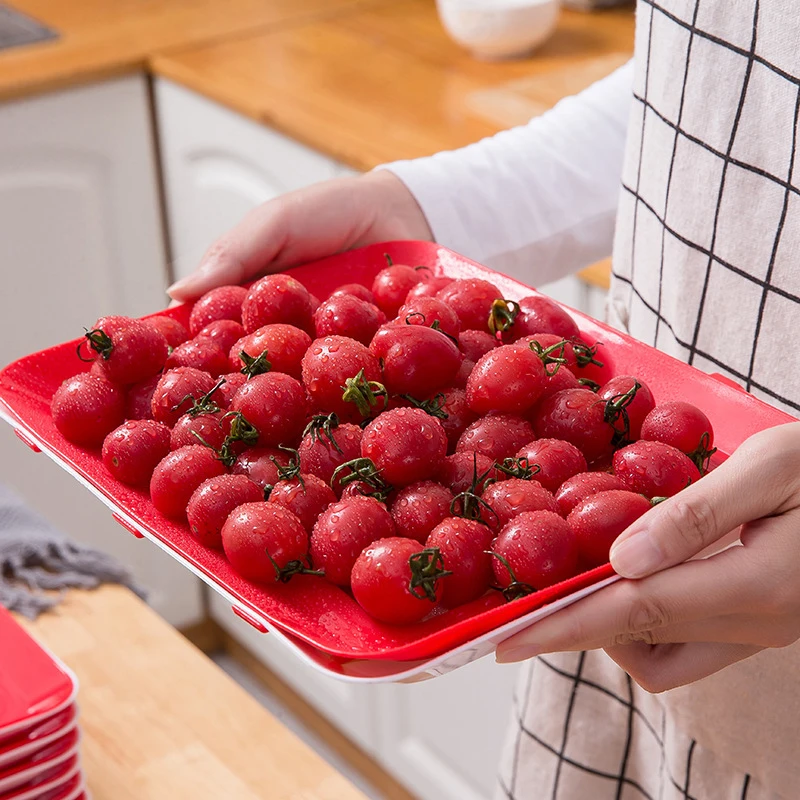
(243, 252)
(693, 591)
(752, 483)
(731, 629)
(657, 669)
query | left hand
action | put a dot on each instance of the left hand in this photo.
(678, 621)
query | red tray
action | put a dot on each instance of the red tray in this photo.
(34, 685)
(314, 611)
(32, 741)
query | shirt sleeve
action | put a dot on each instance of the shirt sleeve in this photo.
(538, 201)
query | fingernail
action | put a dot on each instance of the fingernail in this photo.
(636, 556)
(516, 654)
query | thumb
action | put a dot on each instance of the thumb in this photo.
(751, 484)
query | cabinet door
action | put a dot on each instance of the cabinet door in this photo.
(351, 707)
(217, 165)
(81, 236)
(443, 737)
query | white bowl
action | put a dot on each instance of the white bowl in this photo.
(496, 29)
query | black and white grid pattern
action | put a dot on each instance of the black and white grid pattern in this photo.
(582, 730)
(706, 268)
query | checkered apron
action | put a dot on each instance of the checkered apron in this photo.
(706, 268)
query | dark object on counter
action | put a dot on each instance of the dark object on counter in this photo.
(18, 29)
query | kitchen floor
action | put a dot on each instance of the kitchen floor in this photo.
(255, 688)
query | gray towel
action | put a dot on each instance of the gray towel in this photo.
(35, 556)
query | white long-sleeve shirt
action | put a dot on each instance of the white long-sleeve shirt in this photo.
(538, 201)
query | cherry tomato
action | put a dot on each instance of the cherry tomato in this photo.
(132, 451)
(355, 290)
(430, 312)
(176, 392)
(170, 329)
(497, 436)
(474, 344)
(282, 347)
(223, 332)
(683, 426)
(392, 284)
(600, 518)
(556, 381)
(540, 314)
(576, 416)
(329, 364)
(417, 509)
(233, 382)
(461, 377)
(261, 464)
(306, 496)
(265, 542)
(277, 298)
(460, 470)
(512, 497)
(178, 474)
(458, 415)
(557, 461)
(537, 549)
(202, 354)
(139, 400)
(323, 449)
(416, 360)
(406, 445)
(471, 299)
(463, 544)
(428, 288)
(633, 401)
(275, 404)
(86, 407)
(343, 530)
(553, 345)
(346, 315)
(127, 350)
(654, 469)
(212, 428)
(224, 302)
(585, 484)
(213, 501)
(389, 588)
(508, 379)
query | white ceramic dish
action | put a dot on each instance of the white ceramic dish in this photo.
(499, 29)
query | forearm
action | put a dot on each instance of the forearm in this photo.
(538, 201)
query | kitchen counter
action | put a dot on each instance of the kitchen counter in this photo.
(298, 66)
(160, 721)
(100, 39)
(420, 92)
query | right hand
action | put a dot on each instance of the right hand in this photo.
(308, 224)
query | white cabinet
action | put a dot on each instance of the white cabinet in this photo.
(442, 738)
(218, 165)
(351, 707)
(81, 236)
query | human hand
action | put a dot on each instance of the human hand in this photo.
(307, 224)
(678, 621)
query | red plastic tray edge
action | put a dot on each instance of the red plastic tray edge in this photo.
(444, 639)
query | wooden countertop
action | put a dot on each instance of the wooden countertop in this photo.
(419, 93)
(160, 721)
(103, 38)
